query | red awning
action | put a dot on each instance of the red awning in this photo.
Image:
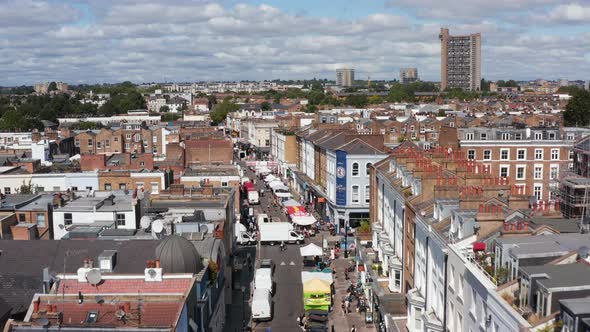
(296, 211)
(479, 246)
(248, 185)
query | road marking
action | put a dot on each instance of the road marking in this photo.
(283, 263)
(291, 263)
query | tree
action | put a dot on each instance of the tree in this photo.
(221, 110)
(577, 111)
(164, 109)
(265, 106)
(52, 87)
(358, 101)
(375, 100)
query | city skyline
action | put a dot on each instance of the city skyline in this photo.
(108, 41)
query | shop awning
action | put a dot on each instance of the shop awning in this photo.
(479, 246)
(304, 220)
(290, 203)
(316, 286)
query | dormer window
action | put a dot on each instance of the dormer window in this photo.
(538, 135)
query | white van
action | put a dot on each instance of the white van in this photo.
(261, 305)
(253, 197)
(263, 279)
(262, 219)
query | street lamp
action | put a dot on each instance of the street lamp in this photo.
(345, 238)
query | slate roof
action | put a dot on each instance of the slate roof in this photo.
(358, 146)
(560, 276)
(22, 263)
(580, 306)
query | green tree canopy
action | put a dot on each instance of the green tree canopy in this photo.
(265, 106)
(52, 87)
(164, 109)
(221, 110)
(577, 111)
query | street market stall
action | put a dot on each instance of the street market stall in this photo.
(291, 202)
(317, 295)
(304, 220)
(311, 250)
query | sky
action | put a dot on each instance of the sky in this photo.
(96, 41)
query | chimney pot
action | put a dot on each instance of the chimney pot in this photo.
(36, 305)
(157, 263)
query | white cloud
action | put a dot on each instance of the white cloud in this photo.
(197, 40)
(566, 14)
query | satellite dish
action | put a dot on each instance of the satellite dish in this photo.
(93, 277)
(145, 222)
(61, 226)
(152, 273)
(203, 229)
(158, 226)
(44, 322)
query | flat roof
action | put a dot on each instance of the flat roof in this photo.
(560, 276)
(102, 204)
(544, 245)
(577, 306)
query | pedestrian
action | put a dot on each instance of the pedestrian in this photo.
(346, 305)
(353, 329)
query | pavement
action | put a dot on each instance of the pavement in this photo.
(288, 297)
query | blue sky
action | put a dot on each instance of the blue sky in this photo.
(86, 41)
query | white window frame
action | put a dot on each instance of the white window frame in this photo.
(535, 186)
(469, 136)
(155, 186)
(518, 154)
(358, 169)
(505, 136)
(551, 167)
(367, 194)
(523, 167)
(538, 135)
(357, 194)
(483, 136)
(539, 154)
(507, 154)
(507, 170)
(489, 157)
(471, 151)
(554, 154)
(536, 167)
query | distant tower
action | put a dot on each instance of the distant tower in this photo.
(460, 61)
(344, 76)
(408, 75)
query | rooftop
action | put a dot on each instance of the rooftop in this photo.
(119, 202)
(560, 276)
(577, 306)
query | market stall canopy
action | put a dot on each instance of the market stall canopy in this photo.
(311, 250)
(296, 211)
(316, 286)
(304, 220)
(270, 178)
(263, 170)
(291, 202)
(306, 276)
(275, 184)
(248, 185)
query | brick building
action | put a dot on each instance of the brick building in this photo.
(206, 151)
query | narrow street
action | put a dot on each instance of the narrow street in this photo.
(288, 297)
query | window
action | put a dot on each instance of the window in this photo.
(224, 183)
(505, 136)
(552, 136)
(7, 190)
(473, 302)
(107, 186)
(538, 135)
(128, 136)
(504, 154)
(127, 146)
(116, 139)
(469, 136)
(520, 172)
(554, 154)
(538, 154)
(471, 154)
(67, 219)
(89, 143)
(74, 188)
(367, 194)
(571, 155)
(398, 279)
(154, 139)
(571, 137)
(355, 194)
(568, 323)
(141, 163)
(538, 172)
(122, 186)
(155, 188)
(145, 143)
(355, 169)
(521, 154)
(518, 136)
(40, 219)
(22, 217)
(504, 171)
(77, 143)
(487, 154)
(40, 189)
(107, 144)
(483, 136)
(538, 191)
(155, 150)
(368, 169)
(553, 171)
(98, 145)
(120, 219)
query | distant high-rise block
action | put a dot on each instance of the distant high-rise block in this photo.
(344, 76)
(408, 75)
(460, 61)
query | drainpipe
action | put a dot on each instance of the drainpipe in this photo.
(445, 293)
(426, 277)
